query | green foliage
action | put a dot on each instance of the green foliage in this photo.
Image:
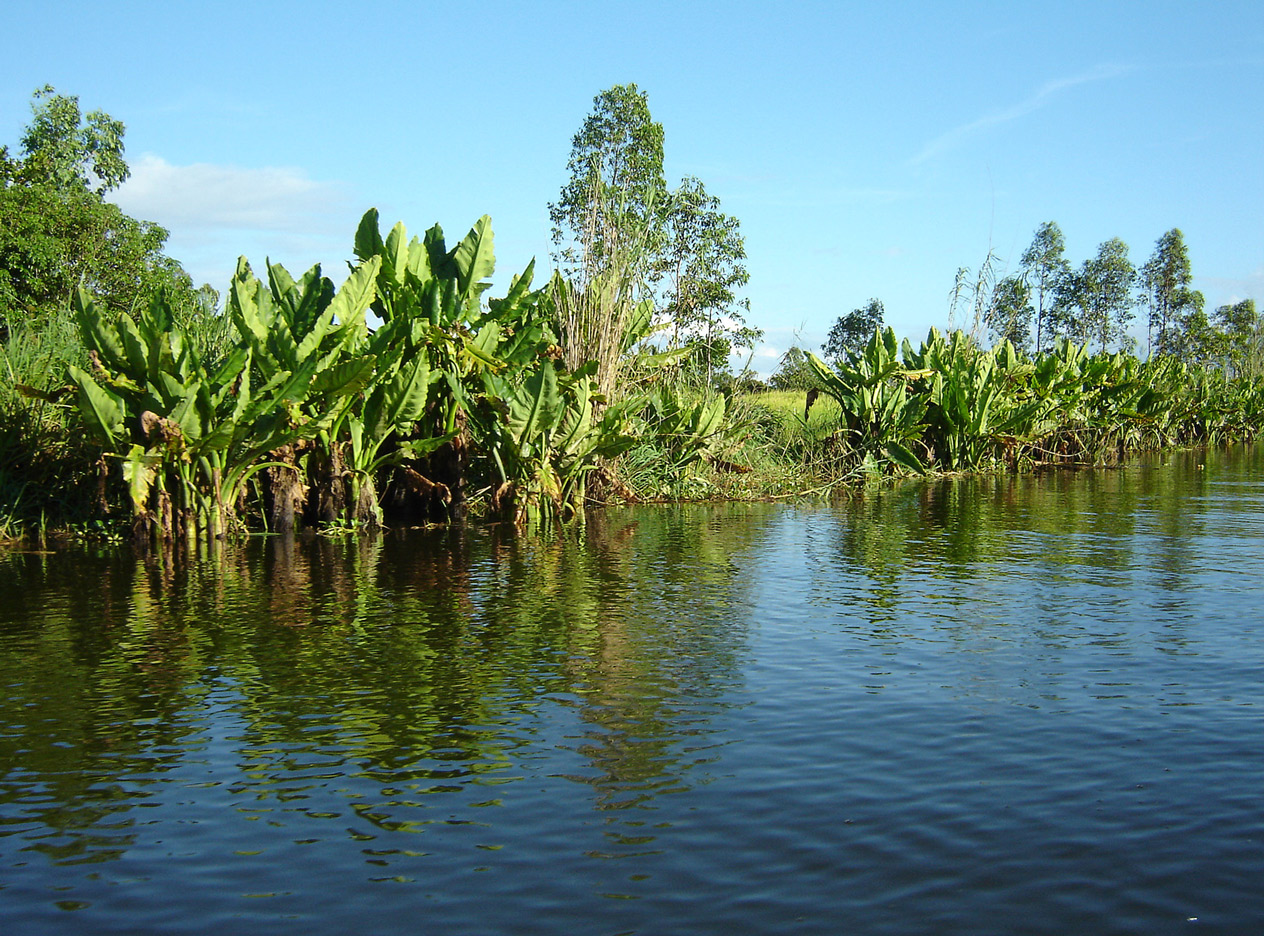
(794, 372)
(48, 468)
(1045, 269)
(880, 418)
(1010, 313)
(69, 151)
(1100, 292)
(616, 189)
(619, 234)
(57, 233)
(1243, 342)
(193, 430)
(703, 260)
(1173, 307)
(852, 331)
(954, 406)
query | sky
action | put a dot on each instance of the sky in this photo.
(869, 150)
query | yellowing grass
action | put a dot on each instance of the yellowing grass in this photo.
(787, 406)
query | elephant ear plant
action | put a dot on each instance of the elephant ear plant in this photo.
(190, 436)
(315, 407)
(303, 326)
(496, 393)
(881, 417)
(547, 440)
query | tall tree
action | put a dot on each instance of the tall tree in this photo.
(1046, 270)
(703, 261)
(1243, 337)
(1010, 311)
(853, 330)
(1101, 290)
(56, 230)
(606, 228)
(615, 191)
(1165, 281)
(67, 150)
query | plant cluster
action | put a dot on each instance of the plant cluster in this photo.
(308, 415)
(951, 405)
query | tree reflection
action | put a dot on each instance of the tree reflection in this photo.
(390, 669)
(955, 542)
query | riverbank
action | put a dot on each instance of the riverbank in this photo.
(223, 439)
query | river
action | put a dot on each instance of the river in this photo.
(981, 705)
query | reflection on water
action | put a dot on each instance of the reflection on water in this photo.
(909, 709)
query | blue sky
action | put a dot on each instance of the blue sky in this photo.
(869, 150)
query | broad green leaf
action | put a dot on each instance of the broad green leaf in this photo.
(518, 289)
(345, 378)
(400, 402)
(368, 238)
(903, 457)
(474, 258)
(419, 261)
(536, 408)
(98, 335)
(395, 254)
(349, 305)
(102, 410)
(139, 471)
(134, 348)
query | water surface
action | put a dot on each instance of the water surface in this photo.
(997, 705)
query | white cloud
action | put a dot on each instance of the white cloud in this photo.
(1230, 291)
(955, 136)
(210, 197)
(216, 213)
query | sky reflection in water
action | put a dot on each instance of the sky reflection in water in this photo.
(1000, 704)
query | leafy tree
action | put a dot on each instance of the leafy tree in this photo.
(1010, 311)
(794, 372)
(1165, 280)
(56, 230)
(616, 188)
(1201, 342)
(852, 331)
(703, 262)
(606, 228)
(69, 151)
(1101, 290)
(1243, 333)
(1046, 270)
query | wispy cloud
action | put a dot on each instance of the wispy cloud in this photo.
(1043, 95)
(212, 197)
(217, 212)
(1231, 290)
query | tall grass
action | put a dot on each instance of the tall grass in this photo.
(47, 469)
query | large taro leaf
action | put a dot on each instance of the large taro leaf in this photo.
(474, 259)
(400, 401)
(536, 408)
(368, 238)
(103, 411)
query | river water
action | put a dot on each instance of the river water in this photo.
(994, 705)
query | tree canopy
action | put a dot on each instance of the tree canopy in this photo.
(703, 259)
(1045, 269)
(615, 190)
(1165, 288)
(57, 232)
(627, 248)
(851, 331)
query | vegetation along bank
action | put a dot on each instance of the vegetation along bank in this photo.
(132, 404)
